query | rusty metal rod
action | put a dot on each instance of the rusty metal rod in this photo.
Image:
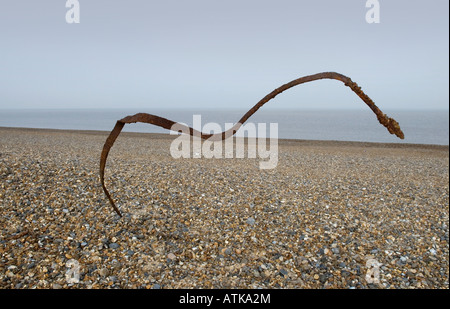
(392, 126)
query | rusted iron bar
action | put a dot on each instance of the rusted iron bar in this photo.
(392, 126)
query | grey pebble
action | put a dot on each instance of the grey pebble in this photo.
(114, 245)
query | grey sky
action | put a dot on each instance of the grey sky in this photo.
(198, 53)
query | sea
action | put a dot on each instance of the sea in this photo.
(419, 126)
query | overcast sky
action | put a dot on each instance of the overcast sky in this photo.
(222, 54)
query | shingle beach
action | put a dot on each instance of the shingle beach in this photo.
(330, 215)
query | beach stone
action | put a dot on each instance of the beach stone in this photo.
(335, 250)
(322, 278)
(113, 245)
(283, 272)
(103, 272)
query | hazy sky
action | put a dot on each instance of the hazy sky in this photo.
(206, 53)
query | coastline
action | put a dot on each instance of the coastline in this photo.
(281, 141)
(313, 222)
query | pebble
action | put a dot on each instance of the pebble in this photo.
(283, 272)
(103, 272)
(113, 245)
(251, 221)
(209, 223)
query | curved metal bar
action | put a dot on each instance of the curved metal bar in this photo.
(392, 126)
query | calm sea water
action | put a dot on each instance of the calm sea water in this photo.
(420, 127)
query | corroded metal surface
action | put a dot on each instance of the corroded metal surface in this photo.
(392, 126)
